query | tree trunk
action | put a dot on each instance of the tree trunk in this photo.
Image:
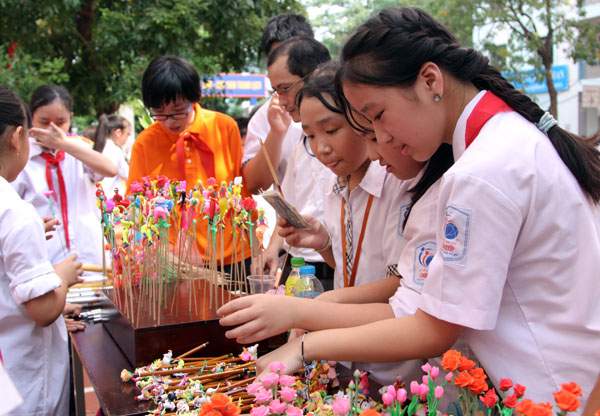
(546, 52)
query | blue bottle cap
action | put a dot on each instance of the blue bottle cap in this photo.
(307, 270)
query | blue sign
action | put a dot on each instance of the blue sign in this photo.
(235, 85)
(533, 82)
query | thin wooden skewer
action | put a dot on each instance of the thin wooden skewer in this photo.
(193, 350)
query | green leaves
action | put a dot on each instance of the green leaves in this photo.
(99, 48)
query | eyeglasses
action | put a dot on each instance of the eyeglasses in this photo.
(174, 116)
(280, 90)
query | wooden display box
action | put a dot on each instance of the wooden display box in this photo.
(186, 320)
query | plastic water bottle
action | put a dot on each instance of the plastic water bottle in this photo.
(296, 262)
(307, 286)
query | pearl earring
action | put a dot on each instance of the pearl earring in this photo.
(437, 98)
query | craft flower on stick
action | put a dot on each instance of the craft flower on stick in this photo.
(219, 405)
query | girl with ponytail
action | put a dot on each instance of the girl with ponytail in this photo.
(110, 138)
(516, 265)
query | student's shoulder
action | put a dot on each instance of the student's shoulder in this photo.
(13, 209)
(222, 120)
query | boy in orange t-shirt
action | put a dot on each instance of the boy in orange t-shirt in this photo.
(186, 141)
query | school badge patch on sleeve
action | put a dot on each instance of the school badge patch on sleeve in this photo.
(456, 234)
(423, 255)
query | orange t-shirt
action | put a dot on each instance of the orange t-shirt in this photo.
(154, 153)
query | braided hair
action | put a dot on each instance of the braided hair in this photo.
(390, 48)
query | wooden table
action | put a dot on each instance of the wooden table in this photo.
(96, 351)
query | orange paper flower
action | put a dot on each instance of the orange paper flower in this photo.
(451, 360)
(566, 401)
(572, 388)
(370, 412)
(541, 409)
(465, 364)
(524, 407)
(463, 379)
(478, 386)
(219, 405)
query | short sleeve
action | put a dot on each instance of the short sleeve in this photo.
(477, 230)
(258, 129)
(24, 254)
(392, 243)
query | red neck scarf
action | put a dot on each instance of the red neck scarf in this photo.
(54, 161)
(207, 157)
(488, 106)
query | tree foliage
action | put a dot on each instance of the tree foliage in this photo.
(99, 48)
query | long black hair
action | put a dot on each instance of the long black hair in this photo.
(46, 94)
(106, 125)
(390, 48)
(13, 112)
(322, 86)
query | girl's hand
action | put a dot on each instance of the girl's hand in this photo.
(257, 317)
(279, 119)
(315, 237)
(49, 226)
(51, 138)
(69, 270)
(71, 309)
(73, 325)
(289, 354)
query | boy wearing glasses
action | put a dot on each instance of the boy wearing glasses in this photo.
(186, 141)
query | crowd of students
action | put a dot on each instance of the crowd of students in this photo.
(444, 207)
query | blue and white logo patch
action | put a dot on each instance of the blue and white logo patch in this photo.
(423, 255)
(402, 218)
(455, 233)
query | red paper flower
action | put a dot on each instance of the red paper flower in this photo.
(519, 390)
(505, 384)
(249, 203)
(510, 401)
(489, 399)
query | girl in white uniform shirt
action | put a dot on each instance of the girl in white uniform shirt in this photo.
(33, 337)
(110, 138)
(336, 144)
(516, 264)
(69, 167)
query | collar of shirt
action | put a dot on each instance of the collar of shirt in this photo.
(458, 137)
(372, 182)
(34, 148)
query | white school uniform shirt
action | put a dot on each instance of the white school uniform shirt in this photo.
(304, 186)
(35, 358)
(258, 130)
(517, 260)
(382, 244)
(117, 156)
(383, 239)
(84, 226)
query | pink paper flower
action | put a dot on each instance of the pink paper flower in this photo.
(435, 371)
(269, 380)
(414, 387)
(426, 368)
(340, 406)
(263, 396)
(276, 406)
(254, 388)
(449, 377)
(259, 411)
(277, 367)
(423, 390)
(425, 379)
(438, 392)
(387, 399)
(293, 411)
(286, 381)
(401, 395)
(287, 394)
(246, 356)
